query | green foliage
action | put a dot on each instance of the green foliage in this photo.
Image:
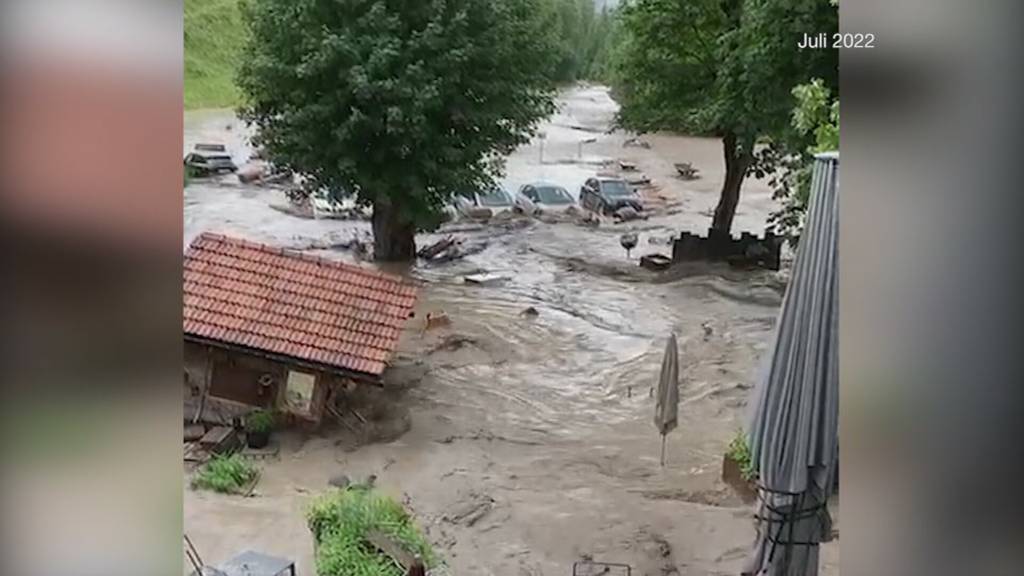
(403, 103)
(815, 119)
(739, 452)
(340, 520)
(721, 67)
(214, 36)
(225, 474)
(817, 114)
(581, 38)
(259, 421)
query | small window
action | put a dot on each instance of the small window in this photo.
(298, 395)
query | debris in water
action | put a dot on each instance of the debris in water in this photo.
(686, 171)
(437, 248)
(530, 312)
(627, 166)
(708, 330)
(655, 262)
(339, 481)
(437, 320)
(485, 279)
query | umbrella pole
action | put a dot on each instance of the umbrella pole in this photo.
(663, 436)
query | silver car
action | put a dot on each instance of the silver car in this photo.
(484, 204)
(544, 197)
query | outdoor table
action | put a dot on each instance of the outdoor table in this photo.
(251, 563)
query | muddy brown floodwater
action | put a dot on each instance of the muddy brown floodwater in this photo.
(525, 442)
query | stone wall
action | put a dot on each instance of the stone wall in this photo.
(746, 251)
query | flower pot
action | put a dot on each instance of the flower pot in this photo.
(257, 439)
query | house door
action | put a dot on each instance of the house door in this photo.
(240, 384)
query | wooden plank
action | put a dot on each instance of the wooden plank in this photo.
(215, 436)
(390, 548)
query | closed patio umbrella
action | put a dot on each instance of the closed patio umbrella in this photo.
(666, 410)
(794, 432)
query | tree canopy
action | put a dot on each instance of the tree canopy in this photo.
(725, 68)
(402, 103)
(581, 32)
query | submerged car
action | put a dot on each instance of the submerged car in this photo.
(484, 204)
(207, 159)
(608, 194)
(544, 197)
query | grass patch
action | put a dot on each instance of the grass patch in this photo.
(214, 38)
(739, 452)
(340, 521)
(225, 474)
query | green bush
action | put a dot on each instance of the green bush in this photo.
(259, 421)
(739, 451)
(340, 521)
(225, 474)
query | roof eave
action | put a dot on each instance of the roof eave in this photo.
(376, 379)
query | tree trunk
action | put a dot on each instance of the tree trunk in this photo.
(736, 163)
(394, 239)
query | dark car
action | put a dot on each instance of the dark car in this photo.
(206, 159)
(607, 194)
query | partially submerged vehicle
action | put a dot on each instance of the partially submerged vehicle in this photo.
(544, 197)
(209, 159)
(325, 205)
(485, 204)
(607, 194)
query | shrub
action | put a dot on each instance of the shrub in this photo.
(340, 521)
(259, 421)
(225, 474)
(739, 451)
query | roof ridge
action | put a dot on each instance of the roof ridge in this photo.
(301, 255)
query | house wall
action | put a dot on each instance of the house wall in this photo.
(215, 372)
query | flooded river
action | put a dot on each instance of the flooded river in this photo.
(538, 426)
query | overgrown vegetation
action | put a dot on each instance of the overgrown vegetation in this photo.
(214, 36)
(225, 474)
(739, 452)
(340, 521)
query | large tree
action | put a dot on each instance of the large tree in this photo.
(724, 68)
(402, 103)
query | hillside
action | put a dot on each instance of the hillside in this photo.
(214, 36)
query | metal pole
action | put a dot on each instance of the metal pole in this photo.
(663, 436)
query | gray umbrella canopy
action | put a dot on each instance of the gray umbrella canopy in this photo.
(666, 411)
(794, 433)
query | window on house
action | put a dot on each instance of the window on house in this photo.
(299, 392)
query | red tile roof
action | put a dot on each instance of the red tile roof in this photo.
(292, 304)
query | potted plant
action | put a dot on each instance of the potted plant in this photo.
(258, 425)
(738, 468)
